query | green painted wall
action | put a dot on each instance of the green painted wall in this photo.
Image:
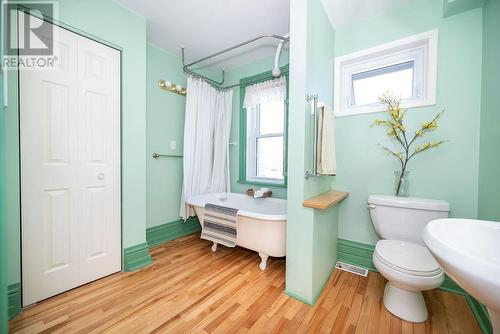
(165, 122)
(3, 227)
(450, 172)
(311, 235)
(320, 51)
(234, 76)
(299, 222)
(108, 21)
(489, 163)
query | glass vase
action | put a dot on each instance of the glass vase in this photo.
(402, 183)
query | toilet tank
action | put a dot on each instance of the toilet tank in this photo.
(404, 218)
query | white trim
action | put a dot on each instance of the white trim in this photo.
(428, 40)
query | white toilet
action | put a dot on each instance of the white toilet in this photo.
(401, 257)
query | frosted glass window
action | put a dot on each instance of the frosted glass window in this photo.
(398, 79)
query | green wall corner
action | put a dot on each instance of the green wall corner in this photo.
(299, 297)
(163, 233)
(14, 300)
(455, 7)
(136, 257)
(489, 159)
(317, 293)
(361, 255)
(322, 284)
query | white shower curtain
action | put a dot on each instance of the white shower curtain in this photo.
(207, 127)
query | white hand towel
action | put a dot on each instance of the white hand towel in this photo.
(327, 162)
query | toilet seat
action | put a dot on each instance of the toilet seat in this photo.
(407, 257)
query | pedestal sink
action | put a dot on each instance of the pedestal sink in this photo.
(469, 252)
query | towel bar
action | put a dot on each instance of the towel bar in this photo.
(156, 155)
(314, 99)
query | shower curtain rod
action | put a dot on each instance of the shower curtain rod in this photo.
(219, 84)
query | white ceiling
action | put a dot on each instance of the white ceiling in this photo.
(205, 27)
(343, 12)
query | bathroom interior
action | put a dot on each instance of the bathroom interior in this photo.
(285, 166)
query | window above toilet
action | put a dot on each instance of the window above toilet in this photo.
(406, 68)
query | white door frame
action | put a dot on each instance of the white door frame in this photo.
(107, 44)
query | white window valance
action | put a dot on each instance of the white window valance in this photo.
(269, 91)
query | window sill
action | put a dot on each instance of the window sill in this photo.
(374, 108)
(266, 184)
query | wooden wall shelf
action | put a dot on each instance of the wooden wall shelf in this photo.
(325, 200)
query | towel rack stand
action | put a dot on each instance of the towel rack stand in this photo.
(314, 99)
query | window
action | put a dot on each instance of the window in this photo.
(264, 111)
(367, 86)
(406, 68)
(266, 142)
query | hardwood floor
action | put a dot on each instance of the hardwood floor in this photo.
(189, 289)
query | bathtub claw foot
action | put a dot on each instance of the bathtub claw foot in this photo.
(263, 263)
(214, 247)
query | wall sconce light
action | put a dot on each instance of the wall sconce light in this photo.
(171, 87)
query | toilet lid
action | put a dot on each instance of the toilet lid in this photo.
(407, 257)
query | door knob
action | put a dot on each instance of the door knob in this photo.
(100, 176)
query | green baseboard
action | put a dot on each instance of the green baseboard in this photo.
(356, 253)
(166, 232)
(450, 286)
(14, 300)
(136, 257)
(361, 255)
(479, 310)
(480, 313)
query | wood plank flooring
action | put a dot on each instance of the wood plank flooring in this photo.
(189, 289)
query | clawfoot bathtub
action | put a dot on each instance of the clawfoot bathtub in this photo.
(261, 223)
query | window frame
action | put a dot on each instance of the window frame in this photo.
(420, 48)
(243, 172)
(252, 149)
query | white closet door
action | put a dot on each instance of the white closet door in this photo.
(70, 168)
(99, 159)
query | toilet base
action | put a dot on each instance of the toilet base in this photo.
(407, 305)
